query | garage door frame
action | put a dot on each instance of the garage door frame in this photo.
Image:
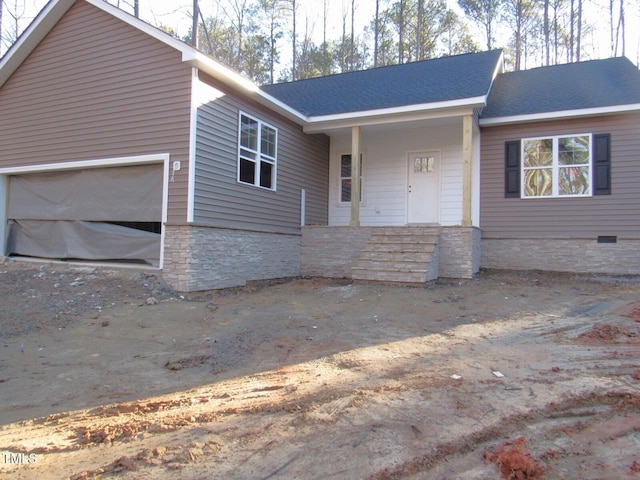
(163, 158)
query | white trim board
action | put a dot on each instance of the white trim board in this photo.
(562, 114)
(74, 165)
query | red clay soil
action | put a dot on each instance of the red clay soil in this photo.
(605, 333)
(514, 461)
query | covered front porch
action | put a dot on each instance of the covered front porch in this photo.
(404, 152)
(408, 211)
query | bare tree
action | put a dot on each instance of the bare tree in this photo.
(352, 48)
(546, 33)
(484, 12)
(579, 31)
(343, 50)
(611, 42)
(293, 39)
(620, 33)
(376, 34)
(520, 13)
(240, 9)
(572, 22)
(13, 14)
(194, 24)
(419, 30)
(274, 12)
(401, 33)
(325, 56)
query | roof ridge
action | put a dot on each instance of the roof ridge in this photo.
(570, 64)
(390, 66)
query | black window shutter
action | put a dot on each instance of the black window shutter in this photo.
(512, 169)
(602, 164)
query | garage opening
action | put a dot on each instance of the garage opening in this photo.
(107, 214)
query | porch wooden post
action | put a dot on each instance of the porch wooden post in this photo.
(467, 131)
(355, 177)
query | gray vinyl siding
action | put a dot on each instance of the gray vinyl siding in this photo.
(586, 217)
(98, 88)
(302, 163)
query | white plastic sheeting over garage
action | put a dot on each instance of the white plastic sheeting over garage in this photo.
(65, 214)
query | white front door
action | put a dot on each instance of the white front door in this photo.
(424, 187)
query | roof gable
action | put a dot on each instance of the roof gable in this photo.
(446, 79)
(596, 84)
(51, 14)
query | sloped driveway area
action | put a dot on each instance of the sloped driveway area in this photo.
(111, 374)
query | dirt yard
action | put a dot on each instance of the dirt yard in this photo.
(109, 374)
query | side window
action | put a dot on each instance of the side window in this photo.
(257, 152)
(345, 178)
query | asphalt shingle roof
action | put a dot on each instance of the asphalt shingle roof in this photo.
(429, 81)
(592, 84)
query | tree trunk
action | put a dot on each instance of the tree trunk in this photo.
(620, 29)
(376, 32)
(546, 32)
(612, 51)
(352, 47)
(488, 27)
(555, 33)
(272, 42)
(518, 34)
(325, 69)
(571, 32)
(343, 41)
(194, 25)
(401, 34)
(419, 30)
(579, 31)
(293, 41)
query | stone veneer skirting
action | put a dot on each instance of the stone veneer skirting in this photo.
(562, 255)
(332, 251)
(205, 258)
(202, 258)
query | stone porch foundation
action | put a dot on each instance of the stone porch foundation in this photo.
(333, 251)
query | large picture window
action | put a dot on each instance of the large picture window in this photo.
(257, 152)
(556, 166)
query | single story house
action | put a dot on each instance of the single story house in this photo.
(120, 142)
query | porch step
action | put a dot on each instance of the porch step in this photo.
(399, 254)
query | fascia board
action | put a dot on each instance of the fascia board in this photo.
(397, 114)
(32, 36)
(559, 115)
(232, 78)
(499, 67)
